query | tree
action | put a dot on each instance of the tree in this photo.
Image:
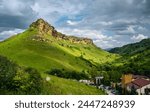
(106, 79)
(7, 73)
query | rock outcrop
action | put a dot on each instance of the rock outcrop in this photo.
(44, 27)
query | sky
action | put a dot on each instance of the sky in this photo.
(109, 23)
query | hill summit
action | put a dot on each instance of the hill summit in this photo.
(44, 28)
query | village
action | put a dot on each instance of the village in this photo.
(129, 85)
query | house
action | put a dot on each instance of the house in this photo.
(140, 85)
(136, 83)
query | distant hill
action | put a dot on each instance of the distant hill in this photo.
(135, 57)
(132, 49)
(107, 49)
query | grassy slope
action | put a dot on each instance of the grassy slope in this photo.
(68, 87)
(44, 56)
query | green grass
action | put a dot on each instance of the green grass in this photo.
(62, 86)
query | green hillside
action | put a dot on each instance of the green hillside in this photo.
(135, 57)
(132, 49)
(43, 48)
(63, 86)
(44, 51)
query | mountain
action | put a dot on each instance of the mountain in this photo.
(43, 48)
(132, 49)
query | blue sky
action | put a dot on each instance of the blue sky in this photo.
(110, 23)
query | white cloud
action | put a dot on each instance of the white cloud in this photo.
(52, 10)
(6, 34)
(93, 34)
(72, 23)
(139, 37)
(11, 32)
(129, 30)
(98, 38)
(140, 28)
(104, 23)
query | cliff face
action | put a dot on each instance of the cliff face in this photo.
(45, 28)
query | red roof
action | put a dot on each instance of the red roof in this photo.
(130, 85)
(141, 82)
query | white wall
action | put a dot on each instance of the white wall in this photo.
(142, 90)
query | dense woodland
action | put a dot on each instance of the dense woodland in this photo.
(18, 80)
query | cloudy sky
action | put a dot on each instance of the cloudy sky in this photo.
(110, 23)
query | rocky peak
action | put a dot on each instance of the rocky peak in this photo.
(43, 27)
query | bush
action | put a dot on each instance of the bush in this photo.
(34, 81)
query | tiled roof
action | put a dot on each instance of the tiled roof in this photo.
(138, 83)
(141, 82)
(130, 85)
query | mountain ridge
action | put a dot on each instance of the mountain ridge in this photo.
(132, 48)
(44, 27)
